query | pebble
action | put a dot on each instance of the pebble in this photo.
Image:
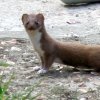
(27, 55)
(29, 65)
(3, 43)
(97, 82)
(15, 49)
(83, 99)
(6, 50)
(1, 48)
(60, 68)
(10, 62)
(74, 37)
(1, 72)
(83, 90)
(44, 1)
(12, 41)
(72, 21)
(36, 61)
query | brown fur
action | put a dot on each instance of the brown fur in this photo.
(74, 54)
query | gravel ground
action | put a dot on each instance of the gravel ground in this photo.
(60, 83)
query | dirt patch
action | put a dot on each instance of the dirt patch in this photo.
(57, 84)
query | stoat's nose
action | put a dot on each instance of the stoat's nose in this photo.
(30, 28)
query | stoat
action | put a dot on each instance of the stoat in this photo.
(51, 50)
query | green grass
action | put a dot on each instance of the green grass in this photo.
(4, 64)
(20, 95)
(4, 87)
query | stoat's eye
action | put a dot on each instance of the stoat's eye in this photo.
(36, 23)
(27, 23)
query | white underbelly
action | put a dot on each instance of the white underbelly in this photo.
(35, 38)
(38, 49)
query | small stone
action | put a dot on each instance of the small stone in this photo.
(1, 72)
(13, 41)
(83, 90)
(10, 62)
(36, 68)
(26, 59)
(42, 97)
(15, 49)
(30, 77)
(6, 72)
(27, 55)
(77, 80)
(36, 61)
(1, 48)
(23, 63)
(82, 85)
(60, 68)
(6, 50)
(74, 37)
(44, 1)
(29, 65)
(21, 41)
(61, 71)
(4, 56)
(97, 83)
(3, 43)
(83, 99)
(77, 15)
(71, 21)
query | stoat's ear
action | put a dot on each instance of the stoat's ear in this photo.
(24, 18)
(40, 17)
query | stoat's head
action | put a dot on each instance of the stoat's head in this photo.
(33, 22)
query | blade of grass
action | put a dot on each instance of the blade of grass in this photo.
(4, 64)
(30, 91)
(6, 85)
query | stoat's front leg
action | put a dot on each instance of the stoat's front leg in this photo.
(37, 68)
(47, 61)
(42, 69)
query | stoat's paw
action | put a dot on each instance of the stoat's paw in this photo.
(42, 71)
(36, 68)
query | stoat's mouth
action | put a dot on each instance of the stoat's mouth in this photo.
(31, 28)
(32, 31)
